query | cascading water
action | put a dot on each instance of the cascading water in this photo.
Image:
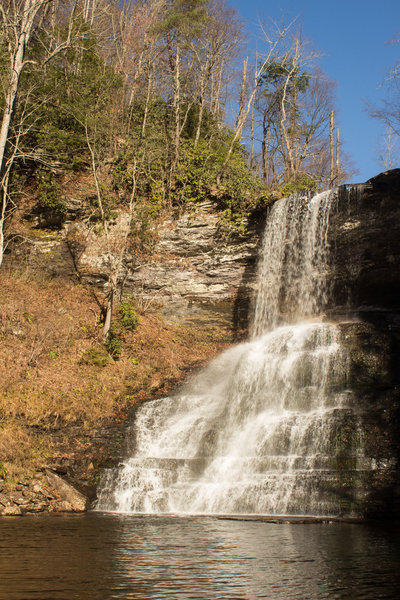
(292, 277)
(259, 430)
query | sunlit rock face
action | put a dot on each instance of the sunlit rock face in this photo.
(197, 272)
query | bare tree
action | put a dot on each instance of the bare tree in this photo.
(388, 111)
(294, 100)
(17, 25)
(19, 20)
(214, 49)
(246, 99)
(388, 149)
(115, 249)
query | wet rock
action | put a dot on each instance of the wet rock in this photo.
(371, 354)
(364, 236)
(36, 507)
(4, 500)
(18, 499)
(373, 377)
(38, 489)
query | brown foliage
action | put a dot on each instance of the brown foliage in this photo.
(55, 373)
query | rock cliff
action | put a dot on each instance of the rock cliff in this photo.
(364, 236)
(195, 272)
(196, 275)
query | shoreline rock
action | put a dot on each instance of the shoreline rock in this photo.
(46, 493)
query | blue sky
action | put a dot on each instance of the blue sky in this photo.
(352, 36)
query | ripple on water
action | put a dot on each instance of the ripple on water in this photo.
(114, 557)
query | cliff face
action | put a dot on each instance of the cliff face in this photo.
(195, 273)
(364, 236)
(199, 273)
(196, 276)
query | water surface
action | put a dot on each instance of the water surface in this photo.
(104, 556)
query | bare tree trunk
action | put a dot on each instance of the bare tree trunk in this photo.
(147, 104)
(288, 136)
(23, 35)
(115, 256)
(203, 83)
(3, 206)
(288, 153)
(177, 103)
(265, 148)
(109, 313)
(216, 91)
(293, 128)
(332, 157)
(252, 138)
(21, 25)
(244, 108)
(337, 174)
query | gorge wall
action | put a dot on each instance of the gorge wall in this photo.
(196, 275)
(357, 473)
(365, 280)
(195, 269)
(196, 272)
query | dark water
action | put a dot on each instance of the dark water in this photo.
(99, 557)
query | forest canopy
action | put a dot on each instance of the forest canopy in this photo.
(141, 94)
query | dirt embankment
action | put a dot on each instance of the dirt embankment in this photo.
(63, 398)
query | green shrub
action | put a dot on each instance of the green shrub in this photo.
(114, 344)
(95, 356)
(3, 471)
(127, 316)
(202, 172)
(304, 183)
(49, 194)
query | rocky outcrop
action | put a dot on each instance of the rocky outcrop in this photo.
(198, 273)
(71, 498)
(195, 272)
(364, 237)
(371, 484)
(46, 492)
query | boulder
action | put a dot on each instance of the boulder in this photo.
(73, 499)
(12, 510)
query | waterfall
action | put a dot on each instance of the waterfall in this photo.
(259, 431)
(292, 278)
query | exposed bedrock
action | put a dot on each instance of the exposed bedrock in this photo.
(364, 236)
(373, 397)
(195, 273)
(365, 242)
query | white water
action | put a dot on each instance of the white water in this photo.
(258, 430)
(292, 283)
